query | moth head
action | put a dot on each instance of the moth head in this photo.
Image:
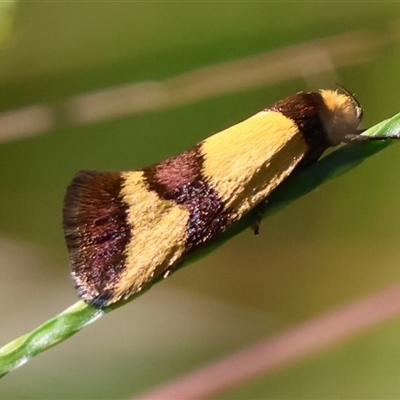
(342, 114)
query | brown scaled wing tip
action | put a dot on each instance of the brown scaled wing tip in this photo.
(96, 232)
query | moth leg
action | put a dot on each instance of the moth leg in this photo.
(168, 272)
(260, 212)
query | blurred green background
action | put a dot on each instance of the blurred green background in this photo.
(334, 246)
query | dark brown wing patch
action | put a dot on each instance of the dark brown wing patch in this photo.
(305, 110)
(180, 178)
(96, 232)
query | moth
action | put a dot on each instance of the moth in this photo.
(124, 229)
